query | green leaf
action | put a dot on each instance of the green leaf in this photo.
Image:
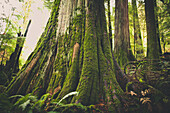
(21, 0)
(127, 85)
(24, 105)
(22, 100)
(14, 96)
(70, 94)
(52, 112)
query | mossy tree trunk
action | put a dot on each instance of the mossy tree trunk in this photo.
(76, 39)
(138, 46)
(37, 70)
(87, 66)
(122, 48)
(152, 41)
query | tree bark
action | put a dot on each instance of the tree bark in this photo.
(12, 65)
(81, 60)
(157, 27)
(138, 45)
(38, 67)
(109, 24)
(152, 42)
(122, 48)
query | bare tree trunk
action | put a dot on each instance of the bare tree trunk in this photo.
(157, 27)
(109, 24)
(138, 45)
(122, 48)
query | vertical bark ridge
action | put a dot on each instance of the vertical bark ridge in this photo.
(138, 45)
(152, 41)
(72, 78)
(88, 79)
(122, 48)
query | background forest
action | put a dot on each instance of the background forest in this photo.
(91, 56)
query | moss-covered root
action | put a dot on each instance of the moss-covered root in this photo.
(79, 108)
(88, 86)
(72, 78)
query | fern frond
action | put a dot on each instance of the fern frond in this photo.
(22, 99)
(69, 94)
(24, 105)
(14, 96)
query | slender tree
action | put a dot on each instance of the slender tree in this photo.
(122, 48)
(12, 65)
(157, 26)
(109, 24)
(73, 54)
(152, 42)
(138, 46)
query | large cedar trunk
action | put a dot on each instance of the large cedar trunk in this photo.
(122, 48)
(152, 41)
(76, 39)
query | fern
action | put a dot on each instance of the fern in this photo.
(53, 112)
(22, 99)
(14, 96)
(24, 105)
(5, 105)
(41, 101)
(66, 96)
(127, 85)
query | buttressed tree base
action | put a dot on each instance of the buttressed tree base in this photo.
(72, 54)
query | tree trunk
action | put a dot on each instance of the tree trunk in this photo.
(157, 27)
(82, 55)
(12, 66)
(138, 45)
(38, 68)
(109, 24)
(152, 42)
(122, 48)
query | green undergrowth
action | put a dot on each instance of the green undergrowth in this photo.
(148, 89)
(142, 95)
(31, 104)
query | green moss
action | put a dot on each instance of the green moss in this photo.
(120, 57)
(88, 86)
(110, 90)
(38, 59)
(72, 78)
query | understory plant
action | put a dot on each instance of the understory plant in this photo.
(149, 85)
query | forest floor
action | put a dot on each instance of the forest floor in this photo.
(147, 92)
